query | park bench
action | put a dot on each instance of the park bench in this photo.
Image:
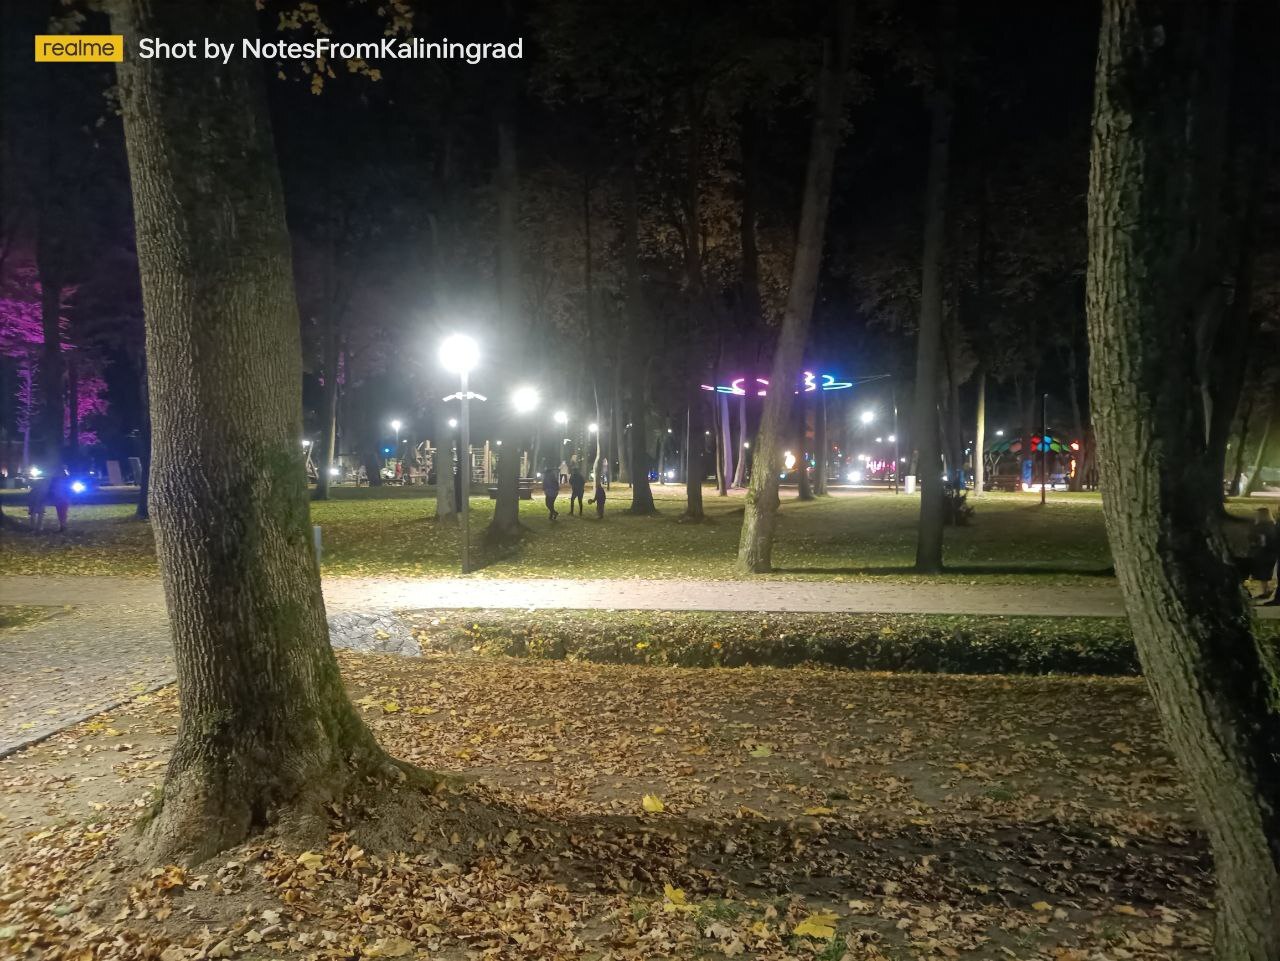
(526, 489)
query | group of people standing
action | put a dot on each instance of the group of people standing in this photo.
(55, 490)
(552, 481)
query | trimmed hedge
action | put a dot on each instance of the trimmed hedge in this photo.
(879, 642)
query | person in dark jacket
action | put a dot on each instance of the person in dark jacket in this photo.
(551, 489)
(598, 499)
(577, 487)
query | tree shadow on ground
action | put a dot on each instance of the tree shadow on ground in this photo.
(898, 570)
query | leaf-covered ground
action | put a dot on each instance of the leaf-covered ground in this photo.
(21, 615)
(392, 531)
(650, 812)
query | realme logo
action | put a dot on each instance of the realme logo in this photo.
(64, 48)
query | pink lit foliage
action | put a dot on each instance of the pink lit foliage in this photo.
(21, 340)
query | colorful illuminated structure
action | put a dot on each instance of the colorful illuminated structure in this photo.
(739, 386)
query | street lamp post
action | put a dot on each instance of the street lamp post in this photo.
(459, 354)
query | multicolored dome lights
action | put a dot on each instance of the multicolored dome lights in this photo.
(808, 383)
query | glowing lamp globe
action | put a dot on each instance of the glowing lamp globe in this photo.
(868, 416)
(561, 417)
(459, 354)
(525, 399)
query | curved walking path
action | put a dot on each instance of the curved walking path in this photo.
(111, 640)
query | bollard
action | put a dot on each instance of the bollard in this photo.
(315, 542)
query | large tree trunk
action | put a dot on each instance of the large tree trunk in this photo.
(143, 509)
(267, 734)
(505, 525)
(929, 336)
(1216, 685)
(755, 544)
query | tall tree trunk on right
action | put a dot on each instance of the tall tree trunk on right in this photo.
(755, 544)
(1215, 684)
(266, 732)
(929, 336)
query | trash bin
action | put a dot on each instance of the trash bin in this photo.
(910, 484)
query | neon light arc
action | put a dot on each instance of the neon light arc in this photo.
(808, 383)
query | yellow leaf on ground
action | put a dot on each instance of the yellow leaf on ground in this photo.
(819, 811)
(674, 899)
(309, 860)
(394, 947)
(820, 924)
(653, 804)
(390, 707)
(1042, 906)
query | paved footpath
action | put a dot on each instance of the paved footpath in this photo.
(109, 641)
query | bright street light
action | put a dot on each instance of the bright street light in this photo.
(306, 443)
(867, 416)
(396, 425)
(999, 433)
(746, 443)
(592, 428)
(459, 354)
(561, 417)
(893, 438)
(525, 399)
(453, 422)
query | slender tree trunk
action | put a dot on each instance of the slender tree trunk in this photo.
(980, 436)
(694, 469)
(717, 447)
(740, 469)
(929, 337)
(637, 326)
(1254, 483)
(267, 734)
(804, 490)
(328, 406)
(73, 408)
(1215, 684)
(755, 544)
(505, 525)
(446, 471)
(822, 447)
(727, 449)
(52, 378)
(622, 458)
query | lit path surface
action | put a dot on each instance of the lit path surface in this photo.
(387, 593)
(109, 639)
(370, 593)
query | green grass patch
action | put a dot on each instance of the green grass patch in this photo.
(840, 538)
(21, 615)
(961, 644)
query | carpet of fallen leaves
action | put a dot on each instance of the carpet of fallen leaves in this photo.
(649, 812)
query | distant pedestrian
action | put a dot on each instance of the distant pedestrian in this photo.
(598, 499)
(60, 496)
(37, 502)
(577, 487)
(564, 473)
(551, 489)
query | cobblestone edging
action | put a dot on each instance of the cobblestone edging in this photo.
(67, 668)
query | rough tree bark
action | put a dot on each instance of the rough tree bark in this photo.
(755, 544)
(329, 404)
(804, 490)
(267, 734)
(929, 335)
(505, 525)
(727, 450)
(637, 324)
(694, 469)
(446, 474)
(1217, 687)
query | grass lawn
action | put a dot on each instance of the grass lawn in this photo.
(634, 812)
(392, 531)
